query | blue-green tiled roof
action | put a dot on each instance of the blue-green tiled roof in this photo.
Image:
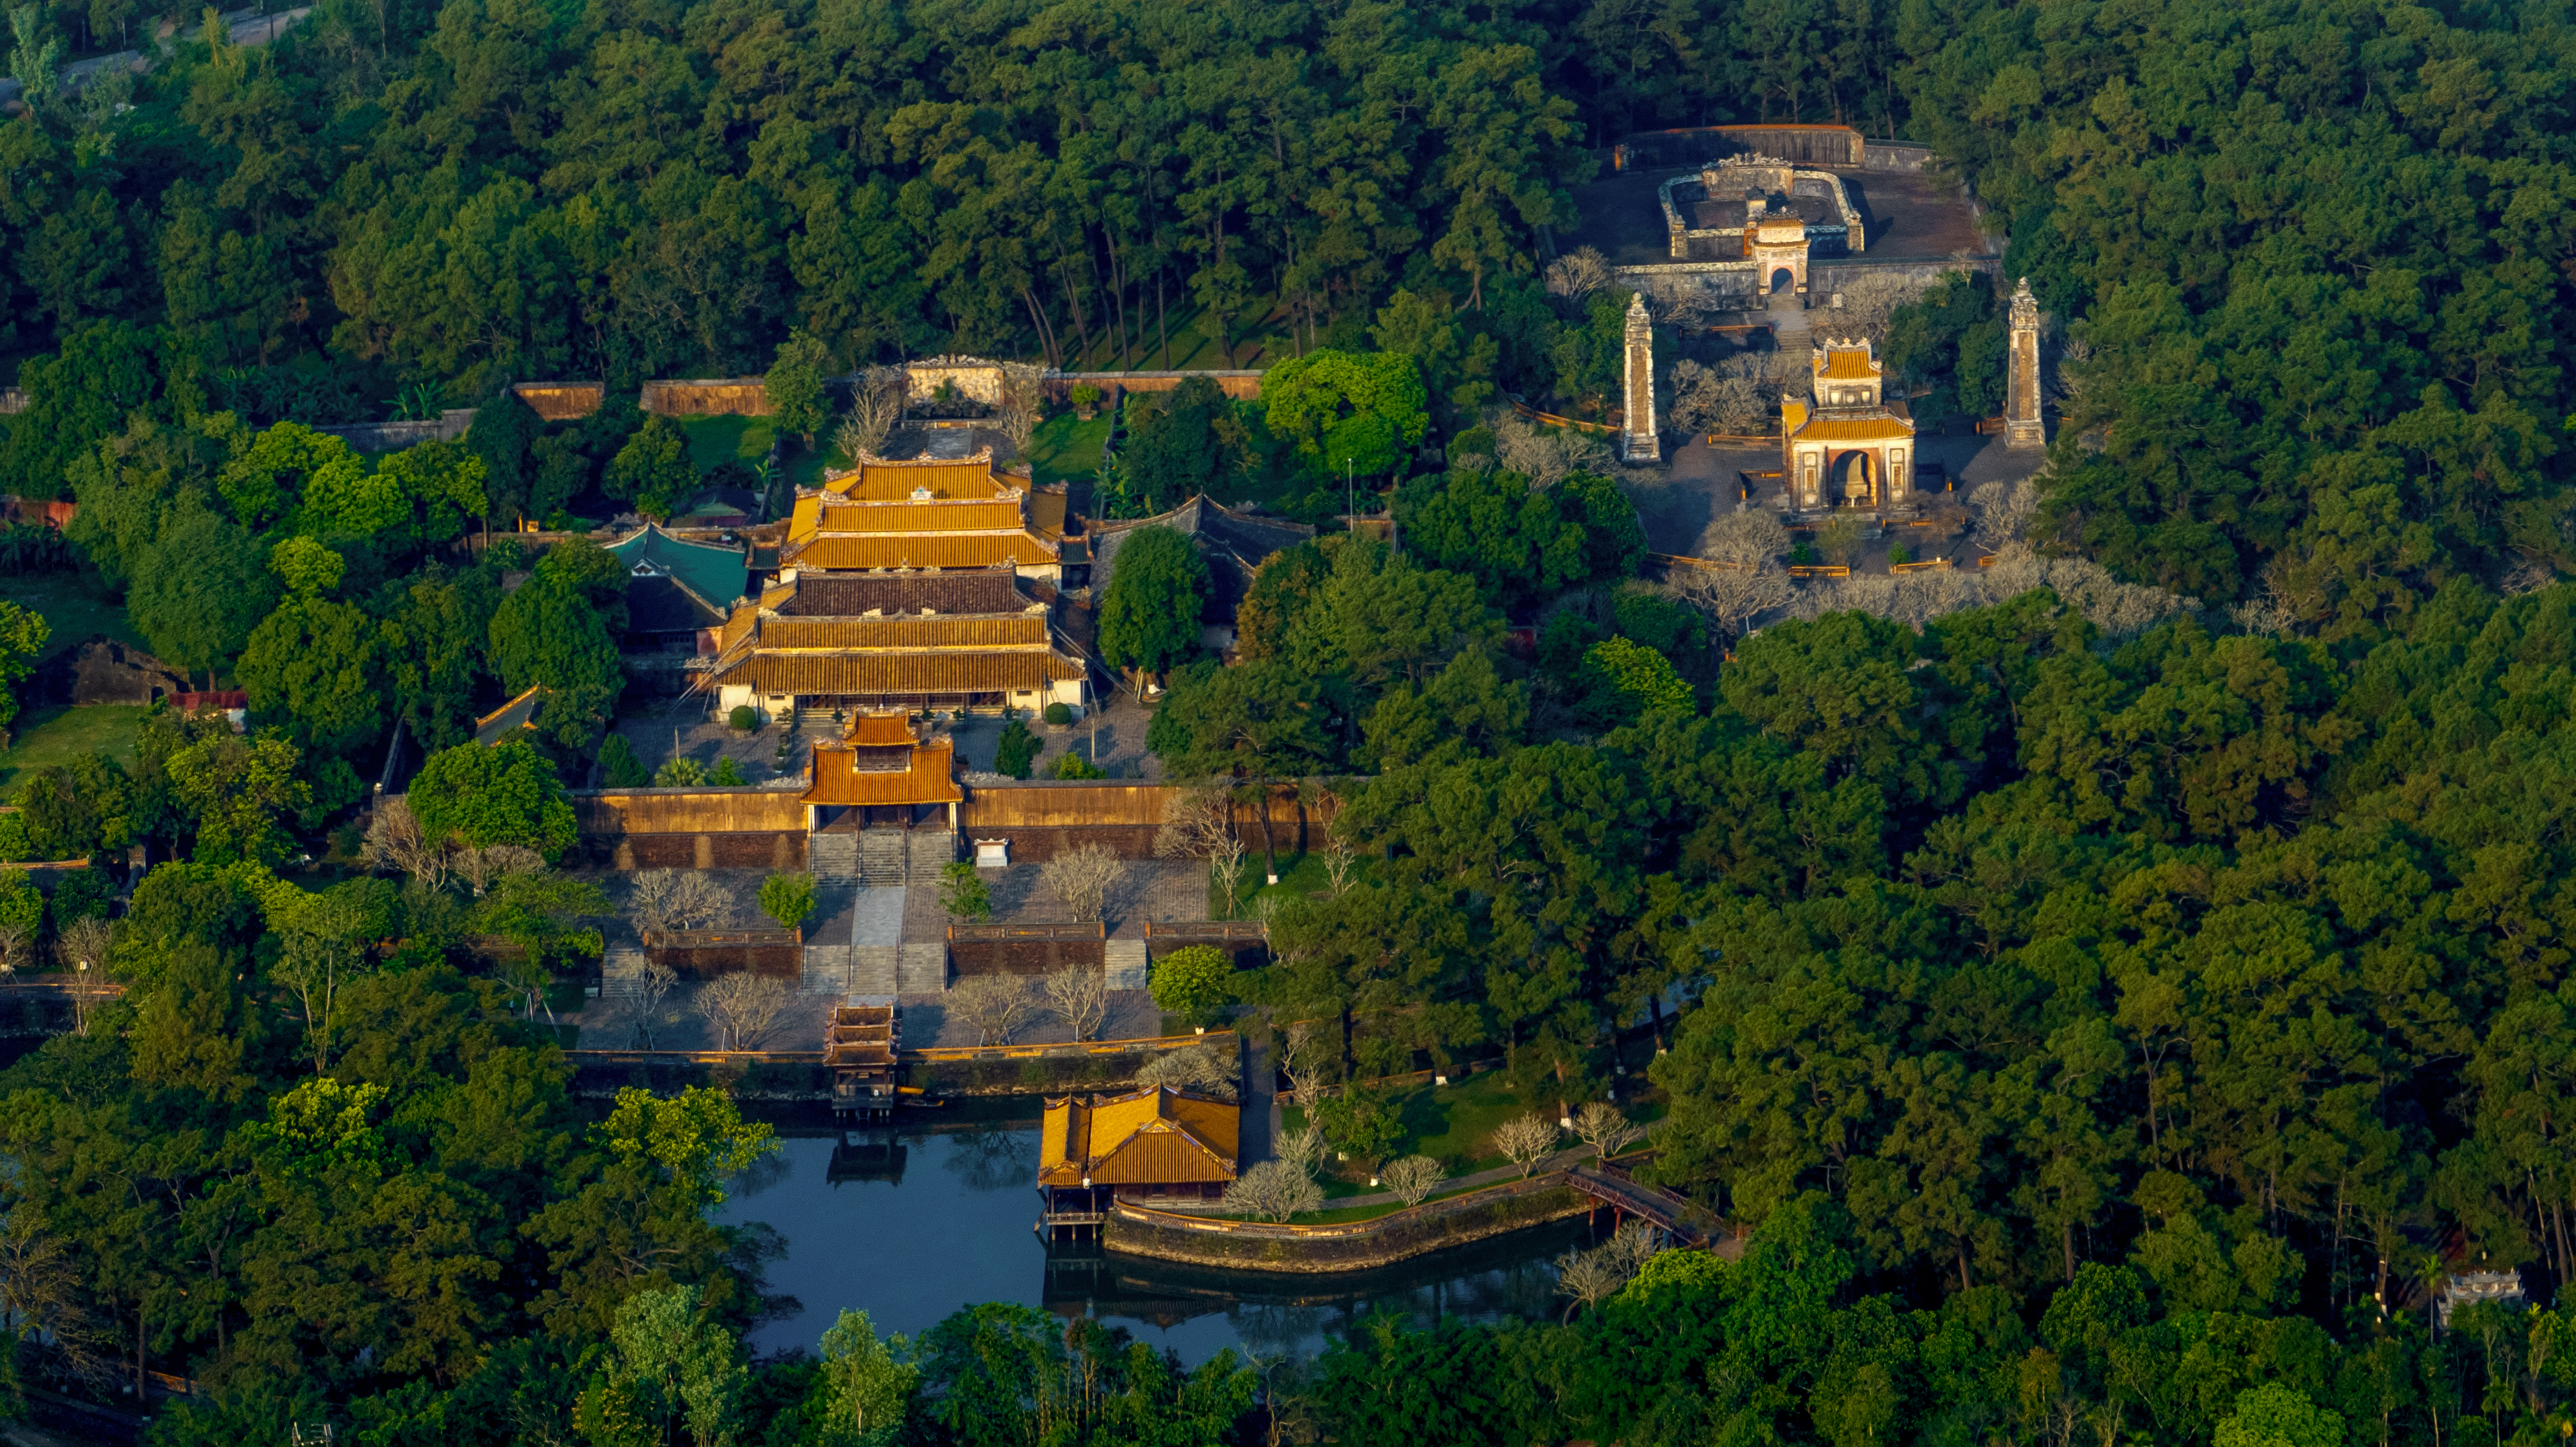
(710, 570)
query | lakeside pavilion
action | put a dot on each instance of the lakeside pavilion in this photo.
(1156, 1144)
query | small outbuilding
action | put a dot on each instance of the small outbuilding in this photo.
(1159, 1143)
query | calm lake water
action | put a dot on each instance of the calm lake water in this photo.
(911, 1223)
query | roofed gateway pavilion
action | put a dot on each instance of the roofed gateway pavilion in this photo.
(1159, 1143)
(1853, 445)
(870, 641)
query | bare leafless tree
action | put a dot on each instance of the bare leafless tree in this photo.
(742, 1008)
(1274, 1191)
(1081, 879)
(1746, 399)
(652, 999)
(1870, 300)
(1338, 859)
(394, 841)
(1733, 597)
(480, 869)
(1524, 1140)
(1749, 535)
(1199, 824)
(1546, 454)
(876, 404)
(1412, 1178)
(1587, 1278)
(82, 947)
(1600, 1125)
(1303, 1149)
(2002, 510)
(996, 1005)
(1205, 1069)
(1577, 274)
(43, 1296)
(1023, 403)
(677, 899)
(1079, 997)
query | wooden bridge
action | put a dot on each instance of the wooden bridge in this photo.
(1684, 1220)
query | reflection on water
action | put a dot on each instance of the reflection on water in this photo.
(868, 1227)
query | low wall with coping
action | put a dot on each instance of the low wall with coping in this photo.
(395, 436)
(1351, 1246)
(800, 1075)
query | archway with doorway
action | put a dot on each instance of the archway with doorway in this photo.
(1852, 481)
(1782, 279)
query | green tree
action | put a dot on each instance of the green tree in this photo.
(787, 898)
(308, 569)
(1149, 614)
(199, 590)
(504, 794)
(962, 893)
(867, 1383)
(1625, 680)
(547, 634)
(504, 437)
(1195, 982)
(23, 636)
(794, 386)
(315, 670)
(1330, 403)
(653, 469)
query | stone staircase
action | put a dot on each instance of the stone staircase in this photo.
(827, 970)
(932, 851)
(1125, 964)
(882, 857)
(875, 969)
(621, 972)
(832, 856)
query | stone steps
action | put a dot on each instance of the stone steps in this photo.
(832, 856)
(932, 851)
(827, 970)
(874, 969)
(1125, 964)
(882, 856)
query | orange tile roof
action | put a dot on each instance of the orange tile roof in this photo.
(901, 674)
(880, 730)
(1847, 364)
(983, 515)
(1008, 630)
(1854, 429)
(930, 780)
(1793, 415)
(878, 481)
(930, 550)
(1155, 1137)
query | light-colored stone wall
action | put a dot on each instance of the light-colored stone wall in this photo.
(973, 377)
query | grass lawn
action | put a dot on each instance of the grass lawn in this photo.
(1300, 875)
(716, 440)
(1448, 1123)
(72, 605)
(45, 737)
(1064, 446)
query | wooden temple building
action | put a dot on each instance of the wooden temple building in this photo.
(1155, 1144)
(929, 513)
(816, 642)
(859, 1048)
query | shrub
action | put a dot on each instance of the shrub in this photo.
(1070, 765)
(679, 774)
(743, 718)
(618, 766)
(962, 893)
(1196, 983)
(1018, 751)
(787, 898)
(727, 775)
(1897, 554)
(1058, 715)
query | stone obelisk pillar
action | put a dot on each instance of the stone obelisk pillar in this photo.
(2022, 424)
(1637, 440)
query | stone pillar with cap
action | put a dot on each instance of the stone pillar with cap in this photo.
(2023, 426)
(1637, 438)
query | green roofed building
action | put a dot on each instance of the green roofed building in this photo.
(678, 592)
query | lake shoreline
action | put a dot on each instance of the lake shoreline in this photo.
(1359, 1246)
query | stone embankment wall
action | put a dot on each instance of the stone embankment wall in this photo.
(1357, 1246)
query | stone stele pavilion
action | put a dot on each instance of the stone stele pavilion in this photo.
(1852, 445)
(1156, 1144)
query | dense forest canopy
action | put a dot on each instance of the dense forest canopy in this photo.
(2312, 261)
(2114, 1014)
